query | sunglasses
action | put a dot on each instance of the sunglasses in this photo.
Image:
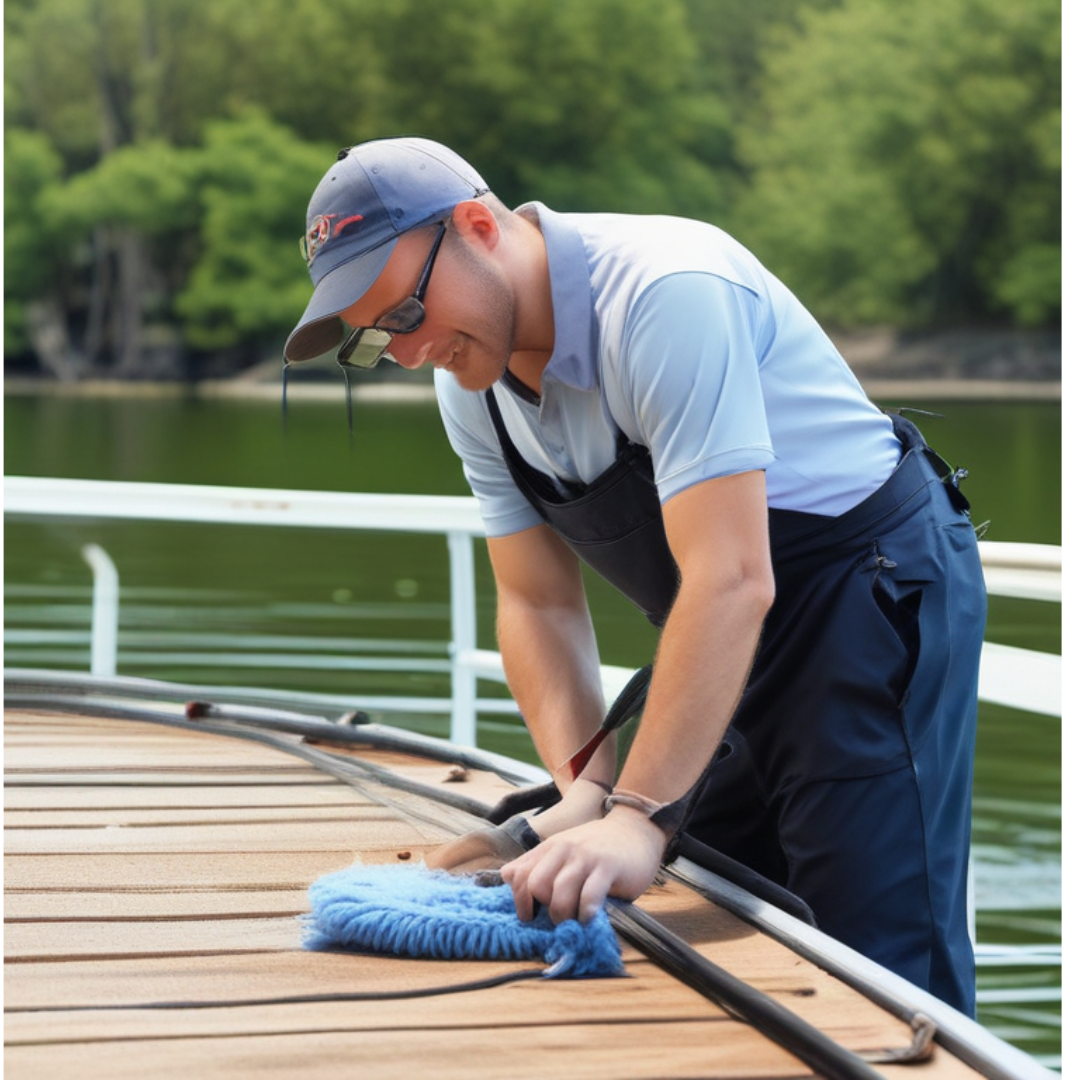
(364, 347)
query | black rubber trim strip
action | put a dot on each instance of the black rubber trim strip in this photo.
(301, 999)
(711, 859)
(959, 1035)
(130, 686)
(312, 725)
(741, 1000)
(345, 768)
(537, 797)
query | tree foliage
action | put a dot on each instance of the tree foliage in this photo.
(32, 243)
(906, 161)
(249, 281)
(892, 160)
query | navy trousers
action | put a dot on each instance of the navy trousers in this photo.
(846, 775)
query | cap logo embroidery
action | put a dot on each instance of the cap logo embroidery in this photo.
(321, 231)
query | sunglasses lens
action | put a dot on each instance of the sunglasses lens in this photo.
(367, 350)
(404, 319)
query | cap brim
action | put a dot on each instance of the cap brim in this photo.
(320, 331)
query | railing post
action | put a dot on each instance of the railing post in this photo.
(463, 639)
(104, 655)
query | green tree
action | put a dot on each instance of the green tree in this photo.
(906, 161)
(214, 234)
(903, 157)
(249, 285)
(115, 98)
(124, 222)
(598, 104)
(98, 74)
(730, 39)
(33, 251)
(322, 68)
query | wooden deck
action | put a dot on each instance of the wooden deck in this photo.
(145, 864)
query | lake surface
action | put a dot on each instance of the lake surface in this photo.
(307, 609)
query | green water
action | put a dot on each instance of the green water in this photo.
(288, 608)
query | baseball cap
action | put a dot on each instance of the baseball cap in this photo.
(369, 198)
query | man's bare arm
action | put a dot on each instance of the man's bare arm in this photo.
(718, 531)
(548, 646)
(719, 534)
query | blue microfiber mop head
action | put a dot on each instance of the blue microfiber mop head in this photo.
(417, 912)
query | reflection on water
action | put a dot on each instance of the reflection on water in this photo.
(366, 615)
(1017, 853)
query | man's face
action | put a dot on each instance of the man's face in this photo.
(469, 309)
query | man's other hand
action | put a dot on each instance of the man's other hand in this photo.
(573, 872)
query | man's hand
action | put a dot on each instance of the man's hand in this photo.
(483, 849)
(573, 872)
(489, 848)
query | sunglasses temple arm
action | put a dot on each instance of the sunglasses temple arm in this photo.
(347, 400)
(427, 269)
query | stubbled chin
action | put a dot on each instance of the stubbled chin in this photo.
(479, 379)
(476, 372)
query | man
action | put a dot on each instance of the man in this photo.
(642, 393)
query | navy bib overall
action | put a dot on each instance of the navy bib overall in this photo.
(846, 773)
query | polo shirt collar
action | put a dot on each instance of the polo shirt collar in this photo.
(574, 360)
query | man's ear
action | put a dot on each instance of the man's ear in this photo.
(476, 224)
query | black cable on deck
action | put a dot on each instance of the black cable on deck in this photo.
(824, 1055)
(300, 999)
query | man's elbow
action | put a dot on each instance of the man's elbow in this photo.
(747, 588)
(757, 591)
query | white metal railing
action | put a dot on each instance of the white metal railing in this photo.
(1021, 678)
(104, 651)
(456, 517)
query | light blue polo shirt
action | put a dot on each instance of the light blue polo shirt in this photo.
(671, 332)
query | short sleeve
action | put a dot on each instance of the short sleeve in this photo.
(504, 509)
(688, 372)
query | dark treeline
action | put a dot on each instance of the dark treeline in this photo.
(895, 161)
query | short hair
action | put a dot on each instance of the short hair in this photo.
(502, 212)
